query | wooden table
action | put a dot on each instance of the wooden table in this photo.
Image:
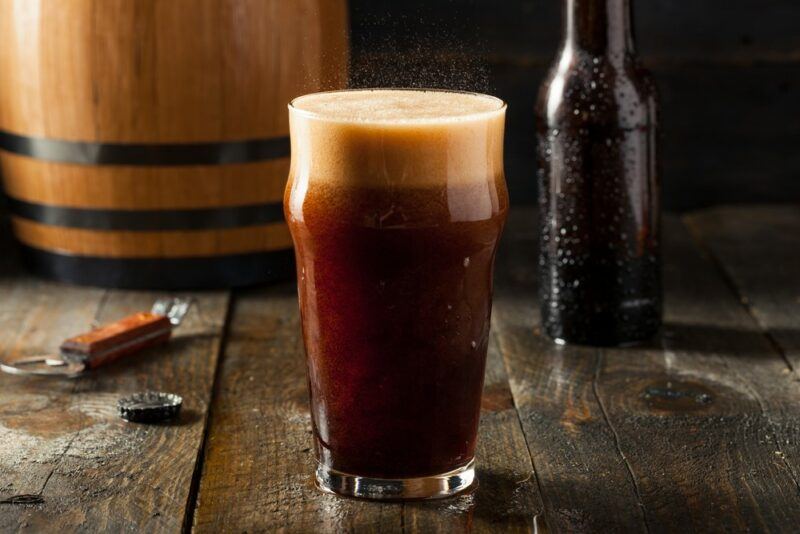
(697, 431)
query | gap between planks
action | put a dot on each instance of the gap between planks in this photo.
(194, 488)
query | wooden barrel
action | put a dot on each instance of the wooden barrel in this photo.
(144, 144)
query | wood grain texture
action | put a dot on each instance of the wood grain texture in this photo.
(704, 417)
(164, 244)
(62, 440)
(758, 250)
(150, 72)
(143, 187)
(159, 72)
(694, 433)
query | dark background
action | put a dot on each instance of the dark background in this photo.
(728, 73)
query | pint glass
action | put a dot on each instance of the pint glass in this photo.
(396, 200)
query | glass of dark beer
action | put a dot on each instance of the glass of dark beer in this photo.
(396, 200)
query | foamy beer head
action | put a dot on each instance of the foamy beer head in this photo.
(397, 138)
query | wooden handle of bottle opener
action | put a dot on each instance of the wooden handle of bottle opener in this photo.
(110, 342)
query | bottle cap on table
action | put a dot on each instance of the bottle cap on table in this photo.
(149, 406)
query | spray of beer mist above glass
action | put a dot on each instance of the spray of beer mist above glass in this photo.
(416, 49)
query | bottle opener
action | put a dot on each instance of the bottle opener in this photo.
(107, 343)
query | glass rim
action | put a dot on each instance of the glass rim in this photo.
(400, 122)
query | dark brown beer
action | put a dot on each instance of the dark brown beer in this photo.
(396, 202)
(599, 259)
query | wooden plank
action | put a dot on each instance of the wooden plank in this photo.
(62, 440)
(693, 434)
(259, 464)
(706, 417)
(758, 248)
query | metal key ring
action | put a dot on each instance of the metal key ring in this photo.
(43, 366)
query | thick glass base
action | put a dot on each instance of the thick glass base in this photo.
(392, 489)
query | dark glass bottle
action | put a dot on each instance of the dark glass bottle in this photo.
(599, 257)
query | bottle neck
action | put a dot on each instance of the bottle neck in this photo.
(600, 27)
